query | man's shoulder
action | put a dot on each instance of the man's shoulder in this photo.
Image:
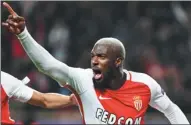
(137, 76)
(142, 78)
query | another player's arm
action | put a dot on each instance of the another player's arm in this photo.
(45, 62)
(50, 100)
(160, 101)
(17, 90)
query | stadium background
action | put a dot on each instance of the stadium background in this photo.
(156, 35)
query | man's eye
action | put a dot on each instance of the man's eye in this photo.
(102, 57)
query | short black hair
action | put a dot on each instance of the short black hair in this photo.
(116, 44)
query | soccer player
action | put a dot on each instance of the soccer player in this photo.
(12, 87)
(107, 93)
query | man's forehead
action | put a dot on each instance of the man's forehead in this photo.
(100, 48)
(110, 46)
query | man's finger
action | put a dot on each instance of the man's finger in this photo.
(17, 31)
(11, 11)
(10, 17)
(74, 100)
(10, 22)
(5, 24)
(18, 18)
(11, 29)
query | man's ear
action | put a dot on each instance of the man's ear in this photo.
(118, 62)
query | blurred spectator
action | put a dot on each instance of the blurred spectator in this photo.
(59, 39)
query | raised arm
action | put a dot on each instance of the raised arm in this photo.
(45, 62)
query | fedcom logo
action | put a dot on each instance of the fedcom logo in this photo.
(110, 118)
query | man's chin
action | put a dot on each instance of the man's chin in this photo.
(99, 83)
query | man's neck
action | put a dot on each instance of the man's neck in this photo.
(118, 81)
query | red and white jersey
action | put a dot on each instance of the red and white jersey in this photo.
(126, 105)
(12, 87)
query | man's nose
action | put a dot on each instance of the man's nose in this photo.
(95, 60)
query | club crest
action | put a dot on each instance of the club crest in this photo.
(137, 102)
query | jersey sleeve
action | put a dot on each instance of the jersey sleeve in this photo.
(52, 67)
(159, 100)
(15, 88)
(81, 79)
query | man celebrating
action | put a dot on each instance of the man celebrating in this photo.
(107, 93)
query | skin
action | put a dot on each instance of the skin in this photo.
(107, 55)
(51, 100)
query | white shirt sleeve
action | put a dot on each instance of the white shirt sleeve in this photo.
(160, 101)
(81, 79)
(15, 88)
(47, 64)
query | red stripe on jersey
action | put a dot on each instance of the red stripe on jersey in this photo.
(127, 104)
(79, 101)
(5, 114)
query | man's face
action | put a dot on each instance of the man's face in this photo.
(102, 64)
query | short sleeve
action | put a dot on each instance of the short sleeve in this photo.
(15, 88)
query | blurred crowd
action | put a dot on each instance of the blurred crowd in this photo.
(156, 35)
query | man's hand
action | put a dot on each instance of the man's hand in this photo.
(73, 99)
(15, 24)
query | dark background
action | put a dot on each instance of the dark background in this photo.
(156, 35)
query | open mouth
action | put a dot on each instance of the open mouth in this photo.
(97, 74)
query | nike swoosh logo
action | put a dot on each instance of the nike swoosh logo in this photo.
(103, 98)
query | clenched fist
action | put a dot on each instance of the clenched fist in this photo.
(15, 24)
